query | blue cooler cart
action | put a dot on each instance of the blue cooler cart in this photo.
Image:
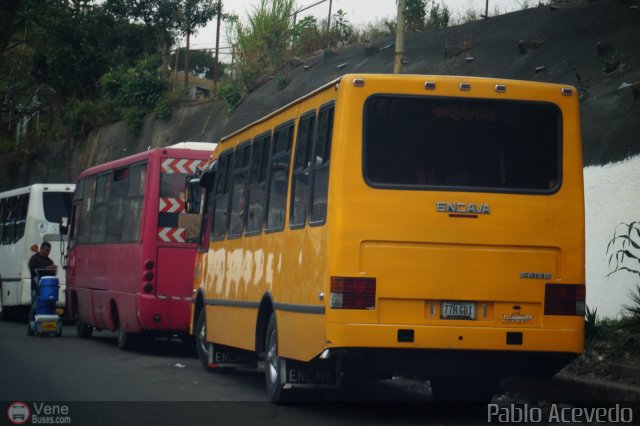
(46, 321)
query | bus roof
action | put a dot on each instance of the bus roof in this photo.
(141, 156)
(64, 187)
(201, 146)
(424, 77)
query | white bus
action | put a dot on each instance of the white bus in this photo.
(29, 216)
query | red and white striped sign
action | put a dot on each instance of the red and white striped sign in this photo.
(177, 165)
(171, 205)
(172, 235)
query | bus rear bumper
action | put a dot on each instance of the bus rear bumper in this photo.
(432, 363)
(446, 350)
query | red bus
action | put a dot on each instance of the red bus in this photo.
(132, 245)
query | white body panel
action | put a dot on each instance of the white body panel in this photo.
(14, 257)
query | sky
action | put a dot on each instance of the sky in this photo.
(359, 12)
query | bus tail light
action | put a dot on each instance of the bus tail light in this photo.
(352, 293)
(564, 299)
(148, 276)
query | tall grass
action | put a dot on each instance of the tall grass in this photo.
(624, 255)
(262, 44)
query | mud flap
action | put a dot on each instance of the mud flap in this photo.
(315, 374)
(221, 356)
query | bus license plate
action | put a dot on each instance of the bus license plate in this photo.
(49, 326)
(458, 310)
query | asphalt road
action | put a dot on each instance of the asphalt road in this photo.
(165, 384)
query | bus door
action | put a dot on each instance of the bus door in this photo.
(177, 234)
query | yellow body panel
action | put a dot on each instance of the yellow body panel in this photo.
(418, 256)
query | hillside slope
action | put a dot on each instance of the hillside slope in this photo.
(563, 41)
(553, 39)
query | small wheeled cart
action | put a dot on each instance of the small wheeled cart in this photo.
(45, 321)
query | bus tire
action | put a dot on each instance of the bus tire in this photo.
(272, 364)
(83, 330)
(126, 341)
(200, 335)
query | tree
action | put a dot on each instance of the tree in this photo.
(132, 92)
(415, 14)
(439, 16)
(195, 13)
(306, 35)
(342, 27)
(200, 62)
(74, 47)
(13, 14)
(163, 17)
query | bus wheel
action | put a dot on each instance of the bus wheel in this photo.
(126, 341)
(202, 347)
(272, 364)
(83, 330)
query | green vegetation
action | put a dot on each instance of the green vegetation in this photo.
(624, 255)
(609, 340)
(426, 14)
(68, 66)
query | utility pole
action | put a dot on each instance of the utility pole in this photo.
(486, 10)
(174, 80)
(329, 17)
(215, 60)
(186, 60)
(397, 64)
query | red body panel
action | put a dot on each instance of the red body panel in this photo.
(106, 281)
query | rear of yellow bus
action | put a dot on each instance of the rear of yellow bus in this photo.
(456, 229)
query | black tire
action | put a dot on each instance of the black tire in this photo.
(83, 330)
(272, 364)
(59, 329)
(30, 331)
(126, 341)
(202, 347)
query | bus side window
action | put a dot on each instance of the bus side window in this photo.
(9, 220)
(207, 212)
(300, 187)
(320, 174)
(73, 227)
(99, 219)
(3, 203)
(237, 183)
(221, 197)
(117, 207)
(88, 204)
(279, 178)
(256, 192)
(21, 216)
(133, 203)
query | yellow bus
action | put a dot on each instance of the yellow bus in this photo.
(393, 225)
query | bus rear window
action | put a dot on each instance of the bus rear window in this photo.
(462, 144)
(56, 205)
